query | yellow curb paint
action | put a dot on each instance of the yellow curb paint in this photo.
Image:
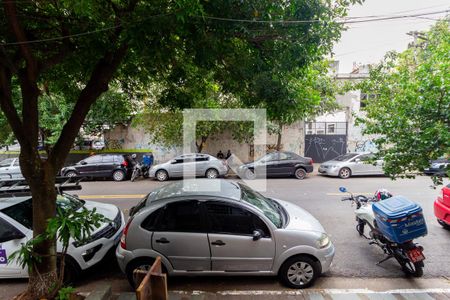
(136, 196)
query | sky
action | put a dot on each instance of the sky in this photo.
(368, 42)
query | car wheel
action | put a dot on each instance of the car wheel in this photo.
(71, 270)
(249, 174)
(162, 175)
(212, 173)
(143, 264)
(118, 175)
(443, 224)
(345, 173)
(300, 173)
(70, 174)
(140, 264)
(299, 272)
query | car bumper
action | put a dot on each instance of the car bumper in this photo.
(92, 253)
(441, 211)
(326, 257)
(123, 257)
(330, 171)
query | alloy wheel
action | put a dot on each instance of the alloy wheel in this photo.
(300, 273)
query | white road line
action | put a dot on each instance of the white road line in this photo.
(321, 291)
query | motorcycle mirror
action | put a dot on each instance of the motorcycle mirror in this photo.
(343, 189)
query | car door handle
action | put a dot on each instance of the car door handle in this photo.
(218, 243)
(163, 241)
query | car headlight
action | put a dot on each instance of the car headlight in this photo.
(323, 241)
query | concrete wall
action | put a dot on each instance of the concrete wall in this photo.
(127, 137)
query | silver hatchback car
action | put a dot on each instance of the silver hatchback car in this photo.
(193, 164)
(231, 231)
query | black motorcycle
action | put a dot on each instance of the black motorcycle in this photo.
(139, 169)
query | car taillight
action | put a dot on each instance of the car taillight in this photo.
(311, 161)
(123, 238)
(124, 163)
(441, 196)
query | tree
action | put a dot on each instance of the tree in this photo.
(411, 111)
(309, 91)
(75, 49)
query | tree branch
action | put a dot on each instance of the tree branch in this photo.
(7, 105)
(97, 84)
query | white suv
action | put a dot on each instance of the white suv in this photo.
(16, 229)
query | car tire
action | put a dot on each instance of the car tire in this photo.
(212, 173)
(249, 174)
(118, 175)
(71, 270)
(300, 173)
(140, 263)
(345, 173)
(162, 175)
(70, 174)
(299, 272)
(443, 224)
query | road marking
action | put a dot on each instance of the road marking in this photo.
(135, 196)
(341, 194)
(317, 291)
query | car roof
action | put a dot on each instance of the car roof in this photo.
(10, 201)
(198, 187)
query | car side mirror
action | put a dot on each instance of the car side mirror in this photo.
(257, 234)
(173, 161)
(343, 189)
(357, 160)
(12, 235)
(83, 162)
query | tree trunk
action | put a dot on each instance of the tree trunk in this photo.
(41, 179)
(280, 131)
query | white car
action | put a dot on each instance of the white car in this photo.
(16, 229)
(10, 168)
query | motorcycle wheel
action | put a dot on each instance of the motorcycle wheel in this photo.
(412, 269)
(360, 227)
(134, 175)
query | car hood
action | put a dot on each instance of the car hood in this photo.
(109, 211)
(332, 162)
(300, 219)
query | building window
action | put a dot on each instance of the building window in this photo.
(365, 98)
(331, 128)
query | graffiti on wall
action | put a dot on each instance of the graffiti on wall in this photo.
(324, 147)
(114, 144)
(365, 146)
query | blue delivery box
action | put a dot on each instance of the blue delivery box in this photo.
(399, 219)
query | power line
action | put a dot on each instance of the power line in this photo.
(367, 19)
(230, 20)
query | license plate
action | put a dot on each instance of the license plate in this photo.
(415, 255)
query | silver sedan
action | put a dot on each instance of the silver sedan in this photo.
(219, 227)
(352, 164)
(194, 164)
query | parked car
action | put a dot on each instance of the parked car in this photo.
(115, 166)
(230, 230)
(438, 167)
(10, 168)
(278, 164)
(352, 164)
(193, 164)
(16, 219)
(442, 207)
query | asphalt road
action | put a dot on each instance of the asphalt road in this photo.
(320, 196)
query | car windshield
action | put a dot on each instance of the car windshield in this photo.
(67, 201)
(267, 206)
(345, 157)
